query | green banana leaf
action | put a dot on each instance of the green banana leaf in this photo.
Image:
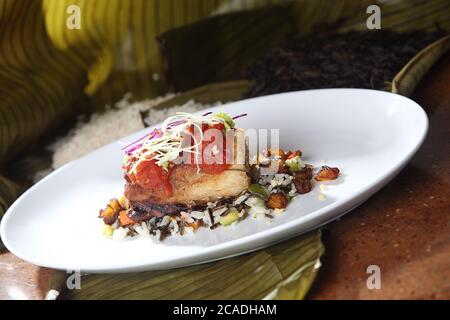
(208, 94)
(408, 78)
(8, 193)
(229, 43)
(283, 271)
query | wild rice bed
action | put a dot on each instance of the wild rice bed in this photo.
(213, 214)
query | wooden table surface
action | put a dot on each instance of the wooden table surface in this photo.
(404, 229)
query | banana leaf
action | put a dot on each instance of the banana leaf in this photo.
(207, 94)
(8, 193)
(283, 271)
(116, 43)
(407, 79)
(228, 43)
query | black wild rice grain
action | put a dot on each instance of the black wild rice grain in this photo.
(368, 59)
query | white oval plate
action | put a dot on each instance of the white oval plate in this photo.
(369, 135)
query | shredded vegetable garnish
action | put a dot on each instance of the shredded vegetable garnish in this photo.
(166, 144)
(239, 116)
(135, 145)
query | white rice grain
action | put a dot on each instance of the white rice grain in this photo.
(165, 220)
(158, 235)
(240, 199)
(207, 218)
(197, 214)
(142, 229)
(188, 230)
(120, 233)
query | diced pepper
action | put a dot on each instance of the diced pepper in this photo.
(230, 217)
(123, 201)
(229, 123)
(258, 189)
(291, 154)
(124, 219)
(107, 230)
(293, 163)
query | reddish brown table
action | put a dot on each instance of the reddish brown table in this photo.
(404, 228)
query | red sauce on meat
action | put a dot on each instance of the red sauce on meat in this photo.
(155, 179)
(152, 177)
